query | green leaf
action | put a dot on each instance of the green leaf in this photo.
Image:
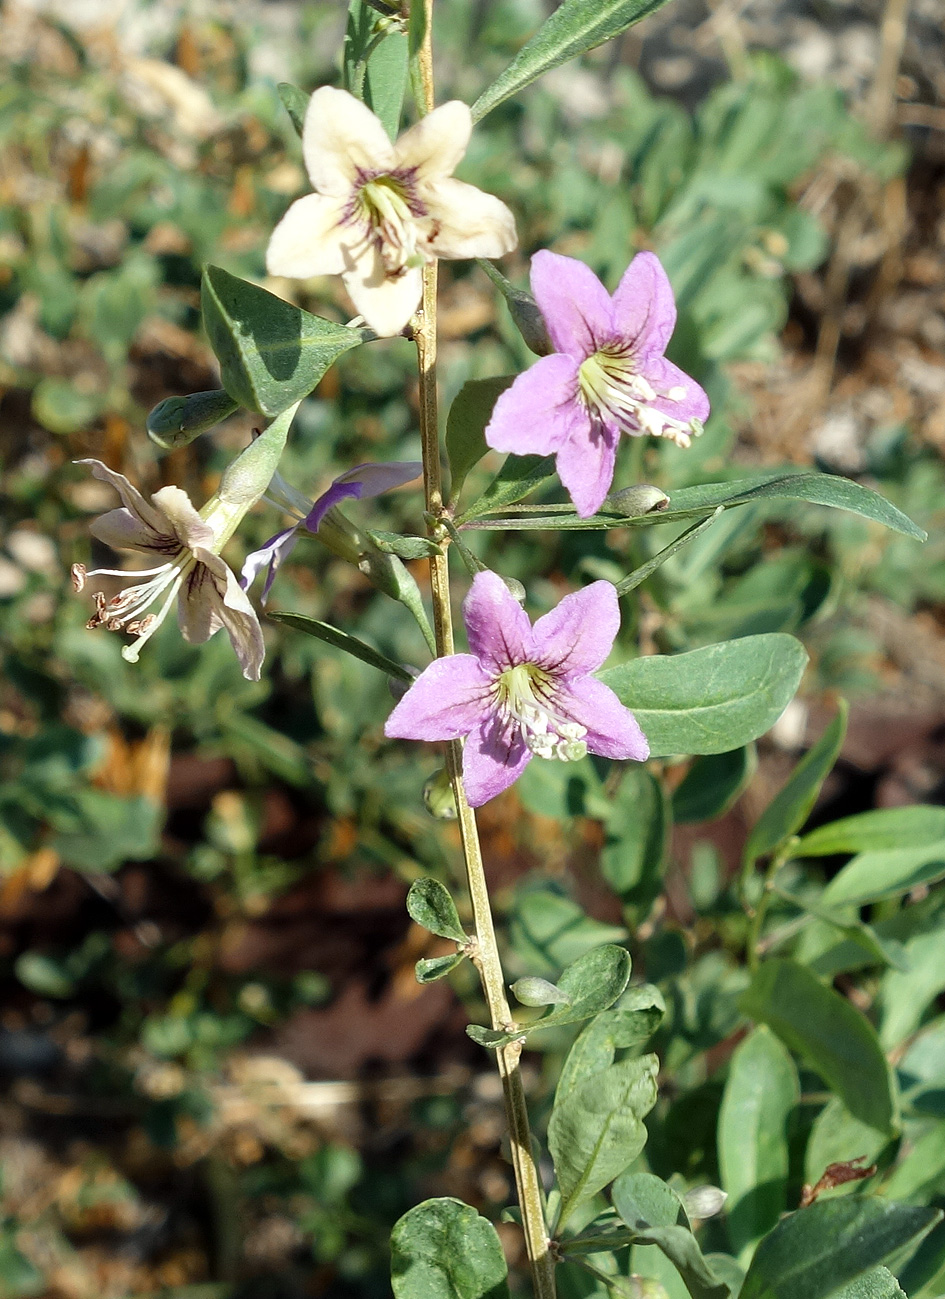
(639, 575)
(549, 930)
(862, 941)
(892, 827)
(838, 1138)
(443, 1249)
(431, 968)
(385, 81)
(295, 103)
(591, 983)
(517, 477)
(656, 1216)
(465, 426)
(833, 1037)
(575, 27)
(342, 640)
(694, 502)
(920, 1176)
(792, 805)
(598, 1130)
(712, 699)
(635, 837)
(629, 1025)
(885, 874)
(430, 905)
(877, 1284)
(712, 784)
(761, 1093)
(271, 353)
(392, 543)
(813, 1252)
(108, 831)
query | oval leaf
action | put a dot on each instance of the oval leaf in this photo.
(443, 1249)
(813, 1252)
(712, 699)
(271, 353)
(431, 968)
(834, 1038)
(430, 905)
(465, 426)
(712, 784)
(636, 1020)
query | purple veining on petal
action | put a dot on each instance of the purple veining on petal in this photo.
(644, 310)
(578, 634)
(272, 553)
(497, 627)
(612, 729)
(493, 759)
(536, 415)
(576, 306)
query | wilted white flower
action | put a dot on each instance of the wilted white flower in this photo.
(381, 210)
(191, 570)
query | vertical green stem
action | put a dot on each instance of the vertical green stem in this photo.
(487, 958)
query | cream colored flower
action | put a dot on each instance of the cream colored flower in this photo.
(381, 210)
(207, 592)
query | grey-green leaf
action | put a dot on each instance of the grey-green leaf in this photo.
(885, 873)
(597, 1130)
(430, 968)
(271, 353)
(877, 1284)
(792, 805)
(656, 1216)
(517, 477)
(712, 699)
(430, 905)
(342, 640)
(465, 426)
(295, 103)
(712, 784)
(838, 1138)
(888, 827)
(761, 1093)
(833, 1037)
(443, 1249)
(575, 27)
(629, 1025)
(813, 1252)
(393, 543)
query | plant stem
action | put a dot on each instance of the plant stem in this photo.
(487, 958)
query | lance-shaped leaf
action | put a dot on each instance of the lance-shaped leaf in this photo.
(813, 1252)
(712, 699)
(832, 1035)
(444, 1249)
(430, 968)
(888, 827)
(591, 983)
(877, 1284)
(430, 905)
(465, 425)
(792, 805)
(295, 103)
(885, 873)
(517, 477)
(761, 1093)
(358, 649)
(271, 353)
(393, 543)
(575, 27)
(598, 1130)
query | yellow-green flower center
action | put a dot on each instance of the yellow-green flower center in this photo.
(616, 393)
(525, 694)
(384, 202)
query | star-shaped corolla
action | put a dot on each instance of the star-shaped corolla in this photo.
(361, 481)
(186, 543)
(607, 375)
(381, 210)
(523, 690)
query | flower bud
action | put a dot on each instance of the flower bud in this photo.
(529, 322)
(177, 421)
(704, 1201)
(532, 991)
(515, 587)
(634, 501)
(251, 472)
(438, 797)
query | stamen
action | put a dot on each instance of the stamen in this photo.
(525, 694)
(613, 390)
(79, 576)
(149, 625)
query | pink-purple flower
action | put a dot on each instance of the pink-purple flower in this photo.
(361, 481)
(607, 375)
(523, 690)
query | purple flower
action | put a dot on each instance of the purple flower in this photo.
(607, 375)
(523, 690)
(362, 480)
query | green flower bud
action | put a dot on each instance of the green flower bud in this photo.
(176, 421)
(634, 501)
(515, 587)
(438, 796)
(532, 991)
(704, 1201)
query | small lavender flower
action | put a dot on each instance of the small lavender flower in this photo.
(523, 690)
(361, 481)
(607, 375)
(381, 210)
(191, 571)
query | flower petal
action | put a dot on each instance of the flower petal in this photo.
(540, 411)
(360, 482)
(664, 377)
(341, 140)
(494, 756)
(644, 307)
(585, 465)
(385, 301)
(309, 239)
(211, 598)
(577, 308)
(467, 222)
(449, 699)
(123, 530)
(497, 627)
(156, 530)
(176, 505)
(272, 553)
(612, 730)
(577, 635)
(436, 143)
